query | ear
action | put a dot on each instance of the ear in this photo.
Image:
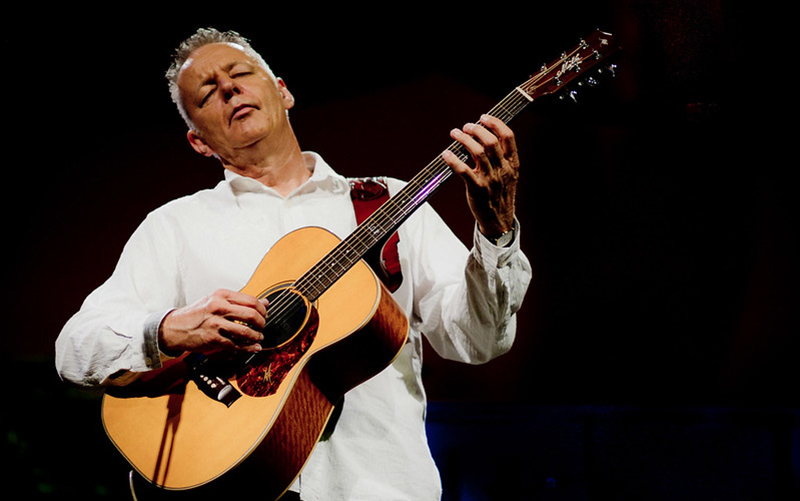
(288, 98)
(199, 144)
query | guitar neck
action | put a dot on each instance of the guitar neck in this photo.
(551, 79)
(388, 218)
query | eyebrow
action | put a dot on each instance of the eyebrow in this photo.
(227, 68)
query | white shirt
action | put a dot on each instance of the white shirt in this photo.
(215, 239)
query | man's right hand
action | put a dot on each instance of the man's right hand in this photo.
(224, 320)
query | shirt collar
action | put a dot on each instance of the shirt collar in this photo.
(323, 177)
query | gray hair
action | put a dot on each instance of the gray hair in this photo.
(205, 36)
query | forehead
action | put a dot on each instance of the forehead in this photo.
(210, 57)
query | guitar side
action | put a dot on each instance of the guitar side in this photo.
(182, 439)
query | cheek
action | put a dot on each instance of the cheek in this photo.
(209, 121)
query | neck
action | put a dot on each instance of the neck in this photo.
(282, 168)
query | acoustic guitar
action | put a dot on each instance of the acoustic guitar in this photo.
(213, 422)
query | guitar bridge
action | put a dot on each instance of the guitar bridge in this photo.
(212, 385)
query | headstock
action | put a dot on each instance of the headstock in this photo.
(592, 53)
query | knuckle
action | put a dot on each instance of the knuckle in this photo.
(215, 324)
(244, 332)
(214, 303)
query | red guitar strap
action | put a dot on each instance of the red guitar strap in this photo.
(368, 194)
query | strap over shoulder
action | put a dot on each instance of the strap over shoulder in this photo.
(369, 193)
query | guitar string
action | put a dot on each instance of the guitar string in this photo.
(381, 224)
(383, 214)
(432, 174)
(386, 214)
(384, 220)
(514, 96)
(361, 240)
(431, 177)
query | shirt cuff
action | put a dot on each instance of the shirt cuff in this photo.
(491, 254)
(153, 355)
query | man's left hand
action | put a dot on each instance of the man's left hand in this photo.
(492, 183)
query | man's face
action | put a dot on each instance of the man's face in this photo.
(231, 99)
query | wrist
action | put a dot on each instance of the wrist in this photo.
(163, 344)
(501, 238)
(504, 239)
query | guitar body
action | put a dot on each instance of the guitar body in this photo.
(182, 439)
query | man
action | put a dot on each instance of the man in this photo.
(175, 287)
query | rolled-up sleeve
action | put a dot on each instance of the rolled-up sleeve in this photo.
(114, 335)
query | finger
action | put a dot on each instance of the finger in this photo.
(242, 299)
(241, 307)
(497, 139)
(240, 334)
(224, 342)
(255, 316)
(247, 316)
(504, 134)
(491, 149)
(475, 149)
(459, 167)
(487, 150)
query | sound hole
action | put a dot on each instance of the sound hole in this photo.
(292, 325)
(286, 315)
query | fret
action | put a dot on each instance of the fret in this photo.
(386, 219)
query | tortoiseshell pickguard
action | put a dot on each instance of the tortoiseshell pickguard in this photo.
(264, 374)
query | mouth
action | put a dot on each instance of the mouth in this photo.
(240, 111)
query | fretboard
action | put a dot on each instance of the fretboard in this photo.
(394, 212)
(551, 79)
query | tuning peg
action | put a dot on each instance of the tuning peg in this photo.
(573, 94)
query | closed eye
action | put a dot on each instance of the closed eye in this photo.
(206, 97)
(235, 70)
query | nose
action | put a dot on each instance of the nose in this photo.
(229, 88)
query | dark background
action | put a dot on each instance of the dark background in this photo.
(658, 214)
